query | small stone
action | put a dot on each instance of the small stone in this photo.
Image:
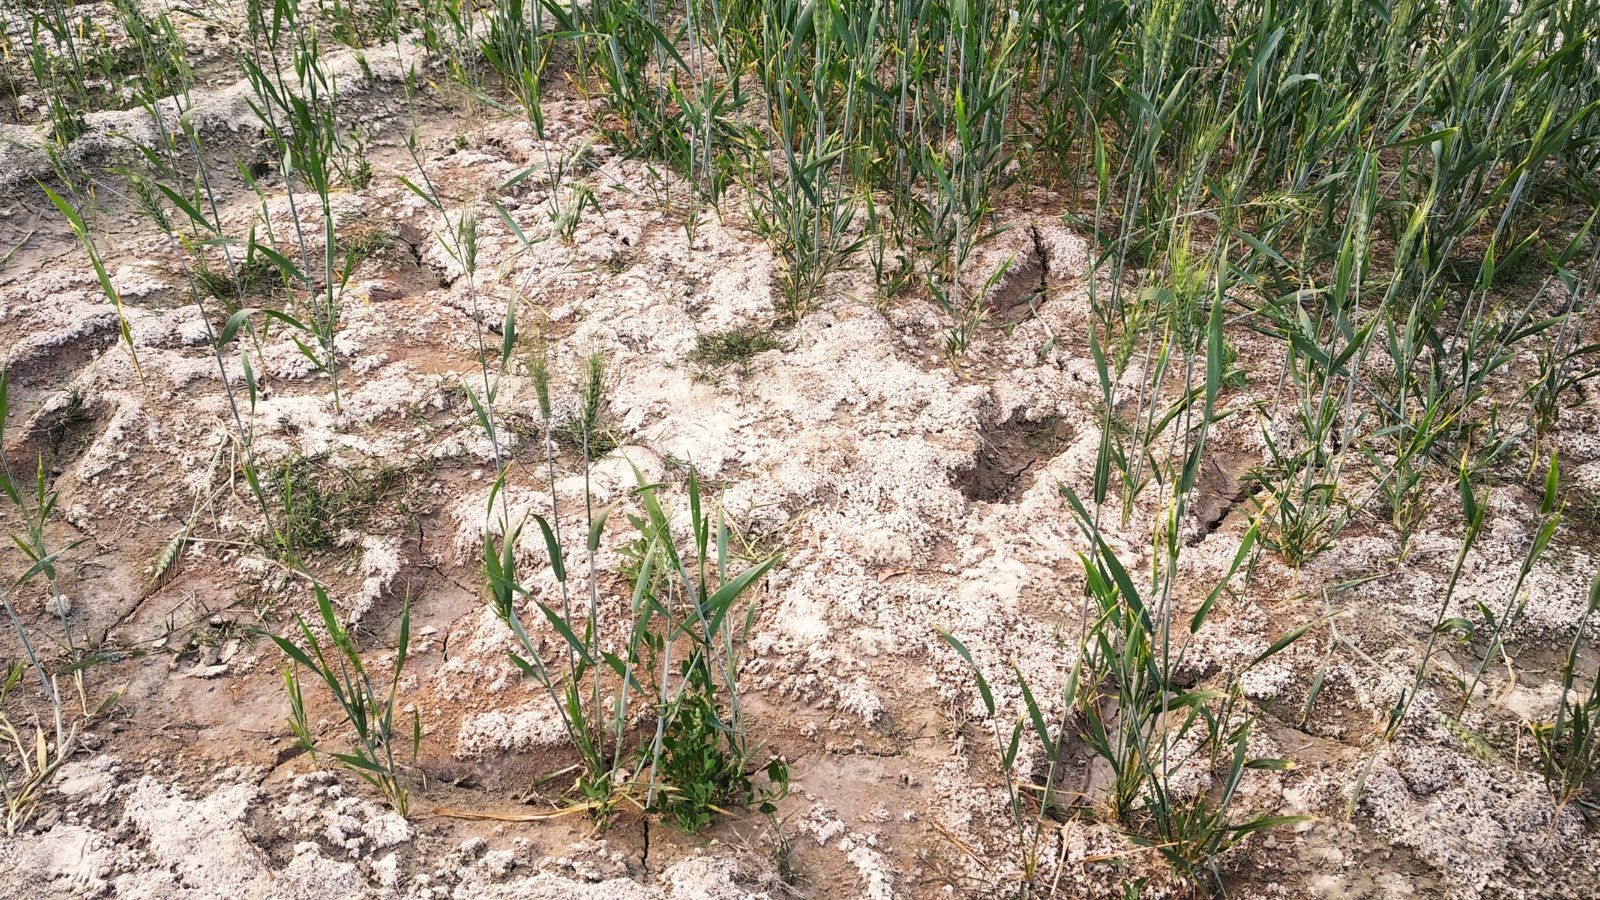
(59, 605)
(499, 863)
(387, 871)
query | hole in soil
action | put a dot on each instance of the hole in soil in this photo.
(1008, 453)
(57, 434)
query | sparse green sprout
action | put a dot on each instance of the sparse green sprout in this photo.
(252, 277)
(673, 659)
(369, 710)
(37, 755)
(1569, 745)
(565, 222)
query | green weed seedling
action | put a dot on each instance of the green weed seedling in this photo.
(717, 350)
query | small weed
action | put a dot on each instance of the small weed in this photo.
(781, 845)
(699, 771)
(351, 161)
(365, 243)
(318, 504)
(252, 277)
(617, 262)
(573, 437)
(717, 350)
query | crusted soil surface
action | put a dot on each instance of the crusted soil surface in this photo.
(903, 494)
